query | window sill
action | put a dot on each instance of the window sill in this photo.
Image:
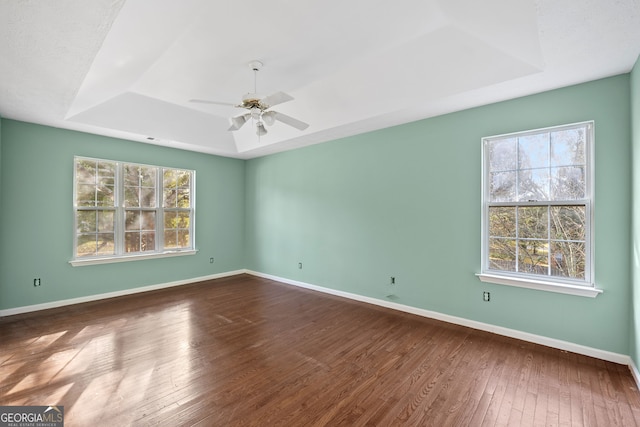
(541, 285)
(113, 259)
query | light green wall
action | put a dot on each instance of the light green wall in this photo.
(1, 178)
(1, 210)
(635, 232)
(405, 202)
(37, 167)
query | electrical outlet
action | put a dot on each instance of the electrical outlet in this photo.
(486, 296)
(391, 288)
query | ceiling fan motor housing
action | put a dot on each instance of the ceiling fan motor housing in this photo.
(252, 100)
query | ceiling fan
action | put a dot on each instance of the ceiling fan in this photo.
(258, 107)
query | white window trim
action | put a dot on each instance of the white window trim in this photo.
(125, 257)
(586, 288)
(136, 257)
(541, 285)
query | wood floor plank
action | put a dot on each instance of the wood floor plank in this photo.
(247, 351)
(498, 386)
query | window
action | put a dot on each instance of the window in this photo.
(127, 211)
(537, 205)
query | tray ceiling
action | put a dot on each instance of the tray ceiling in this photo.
(128, 69)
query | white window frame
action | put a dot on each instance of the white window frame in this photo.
(563, 285)
(120, 212)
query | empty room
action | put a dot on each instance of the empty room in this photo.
(409, 213)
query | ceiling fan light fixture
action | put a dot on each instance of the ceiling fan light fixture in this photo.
(260, 130)
(269, 118)
(255, 113)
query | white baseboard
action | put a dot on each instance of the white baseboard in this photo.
(634, 371)
(512, 333)
(89, 298)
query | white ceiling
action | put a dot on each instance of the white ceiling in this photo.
(129, 68)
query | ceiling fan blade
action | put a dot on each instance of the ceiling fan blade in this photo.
(238, 121)
(300, 125)
(276, 98)
(205, 101)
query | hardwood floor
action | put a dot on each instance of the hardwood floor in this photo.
(250, 351)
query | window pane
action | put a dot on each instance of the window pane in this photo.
(169, 178)
(183, 178)
(147, 241)
(183, 198)
(85, 221)
(132, 197)
(86, 194)
(86, 245)
(568, 183)
(502, 254)
(86, 171)
(148, 221)
(147, 197)
(105, 185)
(568, 222)
(502, 187)
(148, 177)
(105, 196)
(502, 221)
(106, 171)
(533, 151)
(533, 184)
(132, 221)
(533, 222)
(131, 174)
(170, 220)
(132, 241)
(170, 198)
(533, 256)
(106, 221)
(503, 155)
(105, 244)
(568, 147)
(183, 238)
(170, 239)
(184, 219)
(568, 259)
